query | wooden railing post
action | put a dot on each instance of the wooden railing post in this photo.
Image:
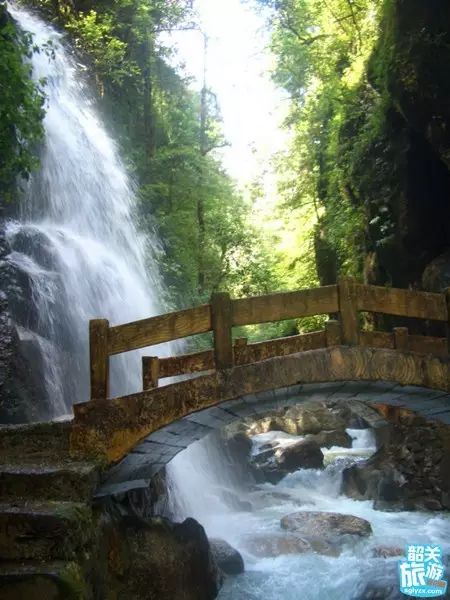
(348, 311)
(99, 358)
(150, 372)
(333, 332)
(222, 320)
(401, 338)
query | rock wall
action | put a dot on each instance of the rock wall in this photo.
(394, 158)
(159, 560)
(22, 388)
(411, 470)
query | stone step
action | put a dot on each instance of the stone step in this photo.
(32, 580)
(44, 530)
(36, 439)
(47, 480)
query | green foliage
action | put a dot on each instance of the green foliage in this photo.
(21, 106)
(336, 116)
(94, 34)
(169, 135)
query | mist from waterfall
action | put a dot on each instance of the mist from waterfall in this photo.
(202, 484)
(77, 240)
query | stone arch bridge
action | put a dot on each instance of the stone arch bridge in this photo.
(114, 446)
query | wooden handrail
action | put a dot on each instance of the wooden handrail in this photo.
(285, 305)
(243, 352)
(401, 303)
(346, 299)
(160, 329)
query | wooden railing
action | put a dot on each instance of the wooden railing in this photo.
(344, 300)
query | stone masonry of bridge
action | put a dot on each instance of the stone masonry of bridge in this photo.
(149, 457)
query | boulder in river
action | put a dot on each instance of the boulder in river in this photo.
(161, 560)
(305, 454)
(239, 445)
(327, 439)
(387, 551)
(227, 558)
(312, 418)
(325, 527)
(269, 545)
(411, 471)
(301, 419)
(275, 463)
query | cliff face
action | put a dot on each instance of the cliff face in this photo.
(397, 133)
(22, 386)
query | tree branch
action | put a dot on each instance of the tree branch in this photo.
(306, 41)
(208, 149)
(355, 22)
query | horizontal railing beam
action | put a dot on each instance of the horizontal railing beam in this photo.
(187, 363)
(244, 353)
(285, 305)
(401, 303)
(253, 353)
(422, 344)
(346, 299)
(157, 330)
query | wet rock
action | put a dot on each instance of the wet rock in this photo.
(265, 498)
(411, 471)
(265, 456)
(239, 445)
(272, 422)
(312, 418)
(22, 391)
(383, 584)
(301, 420)
(31, 580)
(436, 276)
(227, 558)
(324, 527)
(327, 439)
(31, 241)
(268, 474)
(160, 560)
(387, 551)
(269, 545)
(274, 464)
(302, 455)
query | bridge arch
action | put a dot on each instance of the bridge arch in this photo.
(353, 374)
(112, 428)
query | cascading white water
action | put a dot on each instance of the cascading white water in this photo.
(76, 240)
(202, 485)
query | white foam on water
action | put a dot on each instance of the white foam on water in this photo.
(198, 476)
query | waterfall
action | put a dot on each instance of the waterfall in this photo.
(202, 484)
(76, 241)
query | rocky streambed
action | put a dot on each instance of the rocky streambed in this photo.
(316, 501)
